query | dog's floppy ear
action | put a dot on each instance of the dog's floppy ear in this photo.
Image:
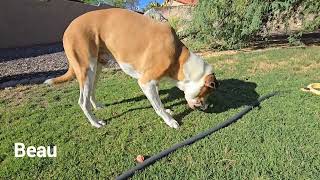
(210, 81)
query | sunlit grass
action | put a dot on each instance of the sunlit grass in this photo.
(280, 140)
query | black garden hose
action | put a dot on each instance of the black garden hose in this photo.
(193, 139)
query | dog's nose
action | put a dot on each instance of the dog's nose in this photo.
(193, 105)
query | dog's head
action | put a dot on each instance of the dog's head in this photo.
(198, 99)
(198, 83)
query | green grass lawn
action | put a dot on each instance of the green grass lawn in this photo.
(280, 140)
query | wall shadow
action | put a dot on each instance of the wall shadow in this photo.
(8, 54)
(28, 78)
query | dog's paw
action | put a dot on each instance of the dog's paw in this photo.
(102, 122)
(98, 124)
(169, 111)
(173, 123)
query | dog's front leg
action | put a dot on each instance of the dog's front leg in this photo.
(150, 90)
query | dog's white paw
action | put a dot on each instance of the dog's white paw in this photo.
(98, 124)
(173, 123)
(169, 111)
(102, 122)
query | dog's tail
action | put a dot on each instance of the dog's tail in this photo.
(69, 75)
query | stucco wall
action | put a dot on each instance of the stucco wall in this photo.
(183, 12)
(33, 22)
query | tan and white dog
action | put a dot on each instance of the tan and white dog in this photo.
(145, 49)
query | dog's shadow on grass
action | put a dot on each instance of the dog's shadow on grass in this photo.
(172, 94)
(231, 94)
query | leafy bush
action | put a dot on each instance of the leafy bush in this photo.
(232, 24)
(294, 39)
(174, 22)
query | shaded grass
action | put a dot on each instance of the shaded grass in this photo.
(278, 141)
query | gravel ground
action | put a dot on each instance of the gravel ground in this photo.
(33, 65)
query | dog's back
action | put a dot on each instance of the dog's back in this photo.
(104, 31)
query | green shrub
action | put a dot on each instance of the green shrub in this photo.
(294, 39)
(174, 22)
(233, 24)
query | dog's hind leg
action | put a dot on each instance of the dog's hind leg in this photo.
(86, 90)
(94, 103)
(82, 53)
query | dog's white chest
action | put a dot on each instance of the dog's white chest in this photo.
(128, 69)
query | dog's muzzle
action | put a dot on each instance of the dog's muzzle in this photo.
(195, 105)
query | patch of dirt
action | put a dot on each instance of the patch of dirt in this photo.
(15, 96)
(206, 54)
(213, 53)
(306, 68)
(228, 63)
(265, 66)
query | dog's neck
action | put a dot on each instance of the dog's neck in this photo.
(188, 66)
(195, 68)
(190, 70)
